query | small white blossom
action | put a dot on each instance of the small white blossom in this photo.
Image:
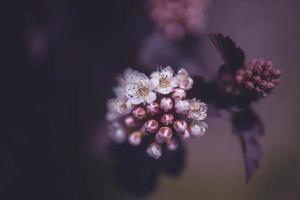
(129, 76)
(117, 107)
(163, 80)
(184, 80)
(197, 110)
(140, 90)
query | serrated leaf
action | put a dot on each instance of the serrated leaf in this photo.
(232, 55)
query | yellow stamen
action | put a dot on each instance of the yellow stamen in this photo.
(164, 82)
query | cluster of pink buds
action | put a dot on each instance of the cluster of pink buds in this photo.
(259, 76)
(155, 108)
(175, 18)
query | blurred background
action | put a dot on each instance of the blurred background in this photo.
(60, 61)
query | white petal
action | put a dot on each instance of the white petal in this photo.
(174, 82)
(151, 97)
(131, 89)
(166, 90)
(154, 82)
(131, 75)
(155, 75)
(168, 71)
(136, 100)
(119, 91)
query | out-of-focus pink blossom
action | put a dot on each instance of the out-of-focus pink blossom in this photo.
(176, 18)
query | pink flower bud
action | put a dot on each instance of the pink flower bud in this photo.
(182, 107)
(154, 150)
(151, 126)
(130, 121)
(166, 104)
(180, 126)
(159, 140)
(276, 72)
(185, 134)
(139, 113)
(239, 78)
(167, 119)
(135, 138)
(165, 133)
(270, 85)
(178, 94)
(153, 108)
(118, 135)
(172, 145)
(249, 85)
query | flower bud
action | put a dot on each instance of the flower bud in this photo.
(118, 135)
(182, 107)
(151, 126)
(158, 139)
(167, 119)
(198, 129)
(130, 121)
(135, 138)
(249, 85)
(165, 133)
(276, 72)
(166, 104)
(172, 145)
(185, 134)
(178, 94)
(154, 150)
(139, 113)
(180, 126)
(153, 108)
(270, 85)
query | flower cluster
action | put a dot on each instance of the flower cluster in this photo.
(177, 17)
(258, 76)
(155, 108)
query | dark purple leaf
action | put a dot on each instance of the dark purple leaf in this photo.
(232, 55)
(248, 126)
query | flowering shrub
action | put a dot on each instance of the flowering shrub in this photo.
(155, 114)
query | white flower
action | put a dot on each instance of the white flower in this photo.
(184, 80)
(129, 76)
(163, 80)
(139, 89)
(197, 110)
(117, 107)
